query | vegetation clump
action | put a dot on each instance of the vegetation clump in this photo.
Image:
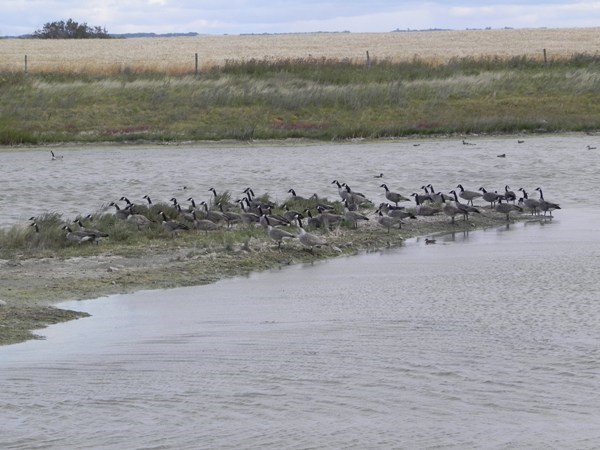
(70, 30)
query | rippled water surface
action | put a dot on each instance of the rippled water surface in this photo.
(483, 340)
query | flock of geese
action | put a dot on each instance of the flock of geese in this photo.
(292, 219)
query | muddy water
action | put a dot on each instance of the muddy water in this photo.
(487, 339)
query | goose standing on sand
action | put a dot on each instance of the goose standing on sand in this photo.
(530, 203)
(464, 209)
(436, 196)
(509, 195)
(308, 239)
(469, 196)
(490, 197)
(450, 209)
(388, 221)
(277, 234)
(352, 217)
(425, 210)
(328, 219)
(397, 213)
(394, 196)
(507, 208)
(342, 191)
(545, 205)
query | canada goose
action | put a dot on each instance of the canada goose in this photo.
(387, 221)
(436, 196)
(468, 195)
(545, 205)
(97, 234)
(230, 217)
(78, 236)
(589, 147)
(290, 214)
(506, 208)
(342, 191)
(328, 219)
(54, 157)
(312, 222)
(429, 241)
(308, 239)
(148, 199)
(321, 204)
(203, 224)
(490, 197)
(394, 196)
(465, 210)
(450, 209)
(509, 195)
(530, 203)
(139, 220)
(295, 196)
(248, 218)
(350, 206)
(425, 210)
(172, 226)
(397, 213)
(273, 219)
(213, 216)
(378, 176)
(421, 198)
(353, 217)
(120, 213)
(35, 226)
(355, 197)
(277, 234)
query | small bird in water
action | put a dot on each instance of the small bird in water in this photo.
(589, 147)
(502, 155)
(520, 142)
(429, 241)
(378, 176)
(55, 157)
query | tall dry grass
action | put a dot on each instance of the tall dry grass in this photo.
(176, 56)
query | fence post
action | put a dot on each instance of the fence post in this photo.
(25, 64)
(196, 65)
(368, 60)
(545, 58)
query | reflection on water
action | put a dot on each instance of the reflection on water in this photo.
(483, 339)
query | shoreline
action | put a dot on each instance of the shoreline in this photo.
(31, 288)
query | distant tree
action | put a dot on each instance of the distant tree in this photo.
(70, 30)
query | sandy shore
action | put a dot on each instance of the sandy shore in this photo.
(29, 288)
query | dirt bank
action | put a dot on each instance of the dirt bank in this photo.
(30, 287)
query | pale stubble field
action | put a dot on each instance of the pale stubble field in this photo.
(178, 54)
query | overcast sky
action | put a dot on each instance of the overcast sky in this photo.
(284, 16)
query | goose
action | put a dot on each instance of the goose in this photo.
(387, 221)
(501, 155)
(290, 214)
(506, 208)
(213, 216)
(530, 203)
(468, 195)
(350, 206)
(353, 217)
(467, 143)
(273, 219)
(78, 236)
(120, 213)
(436, 196)
(320, 204)
(520, 141)
(342, 191)
(328, 219)
(490, 197)
(397, 213)
(429, 241)
(54, 157)
(378, 176)
(97, 234)
(509, 195)
(424, 210)
(230, 217)
(313, 222)
(355, 197)
(450, 209)
(203, 224)
(545, 205)
(294, 196)
(139, 220)
(465, 210)
(589, 147)
(148, 199)
(308, 239)
(394, 196)
(172, 226)
(421, 198)
(277, 234)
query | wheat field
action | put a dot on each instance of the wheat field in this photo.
(177, 54)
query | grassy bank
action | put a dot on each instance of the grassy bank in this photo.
(322, 99)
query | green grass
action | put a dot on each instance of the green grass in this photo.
(314, 99)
